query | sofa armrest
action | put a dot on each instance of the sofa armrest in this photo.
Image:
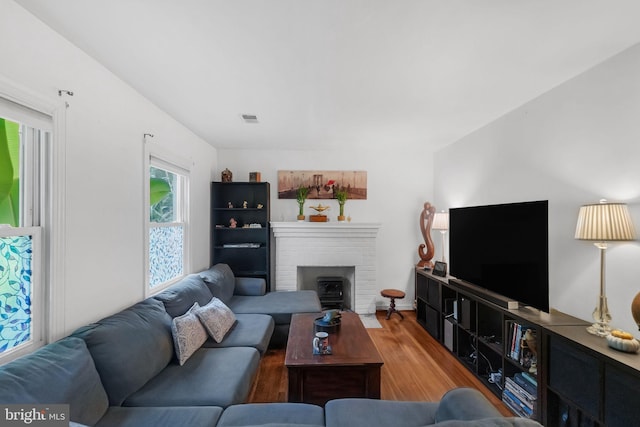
(250, 286)
(464, 404)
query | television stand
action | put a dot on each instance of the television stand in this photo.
(573, 370)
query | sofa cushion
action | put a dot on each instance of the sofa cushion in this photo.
(191, 416)
(280, 305)
(61, 372)
(491, 422)
(356, 412)
(188, 334)
(220, 280)
(465, 404)
(250, 330)
(281, 414)
(179, 298)
(250, 286)
(211, 377)
(216, 318)
(130, 347)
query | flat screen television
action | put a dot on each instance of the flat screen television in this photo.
(503, 248)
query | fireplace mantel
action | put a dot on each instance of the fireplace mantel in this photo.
(312, 244)
(325, 229)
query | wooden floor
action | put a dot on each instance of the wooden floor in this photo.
(416, 367)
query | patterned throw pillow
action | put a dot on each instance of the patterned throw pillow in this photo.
(188, 334)
(217, 318)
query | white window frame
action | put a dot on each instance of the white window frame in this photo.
(41, 217)
(158, 157)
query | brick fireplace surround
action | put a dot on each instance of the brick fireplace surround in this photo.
(306, 244)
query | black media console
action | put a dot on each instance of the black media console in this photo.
(572, 372)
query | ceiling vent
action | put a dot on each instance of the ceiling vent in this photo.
(249, 118)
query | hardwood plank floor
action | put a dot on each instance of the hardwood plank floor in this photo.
(416, 367)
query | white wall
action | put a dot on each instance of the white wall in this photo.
(105, 123)
(398, 185)
(574, 145)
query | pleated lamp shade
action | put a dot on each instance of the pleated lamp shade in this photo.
(440, 221)
(605, 222)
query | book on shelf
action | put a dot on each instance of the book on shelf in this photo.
(518, 348)
(241, 245)
(533, 380)
(525, 384)
(523, 395)
(516, 404)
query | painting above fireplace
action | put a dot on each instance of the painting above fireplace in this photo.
(322, 184)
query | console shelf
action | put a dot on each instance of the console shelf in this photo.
(574, 370)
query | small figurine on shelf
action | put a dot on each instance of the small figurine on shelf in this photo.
(529, 340)
(226, 176)
(244, 205)
(233, 223)
(260, 206)
(230, 205)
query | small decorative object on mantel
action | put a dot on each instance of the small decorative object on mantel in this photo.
(623, 341)
(301, 197)
(233, 223)
(254, 177)
(226, 176)
(426, 220)
(341, 196)
(319, 217)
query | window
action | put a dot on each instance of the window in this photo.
(167, 224)
(25, 138)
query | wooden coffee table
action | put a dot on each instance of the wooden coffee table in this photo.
(352, 370)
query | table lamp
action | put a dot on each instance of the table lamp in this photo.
(441, 223)
(601, 223)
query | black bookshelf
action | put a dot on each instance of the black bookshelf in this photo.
(245, 247)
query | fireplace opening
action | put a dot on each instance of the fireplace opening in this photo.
(334, 285)
(330, 291)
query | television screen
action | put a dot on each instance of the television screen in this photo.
(503, 248)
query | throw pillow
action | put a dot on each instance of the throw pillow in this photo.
(217, 318)
(188, 334)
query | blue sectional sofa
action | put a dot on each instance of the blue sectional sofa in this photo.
(122, 370)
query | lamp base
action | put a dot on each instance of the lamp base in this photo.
(599, 329)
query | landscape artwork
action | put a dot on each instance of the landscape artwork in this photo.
(322, 184)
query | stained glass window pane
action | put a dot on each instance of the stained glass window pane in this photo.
(16, 256)
(9, 172)
(164, 210)
(165, 254)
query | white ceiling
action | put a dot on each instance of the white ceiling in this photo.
(362, 74)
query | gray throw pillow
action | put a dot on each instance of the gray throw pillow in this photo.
(188, 334)
(217, 318)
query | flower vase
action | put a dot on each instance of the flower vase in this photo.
(341, 217)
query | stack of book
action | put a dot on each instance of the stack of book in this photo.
(520, 394)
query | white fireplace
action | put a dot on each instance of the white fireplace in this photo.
(339, 245)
